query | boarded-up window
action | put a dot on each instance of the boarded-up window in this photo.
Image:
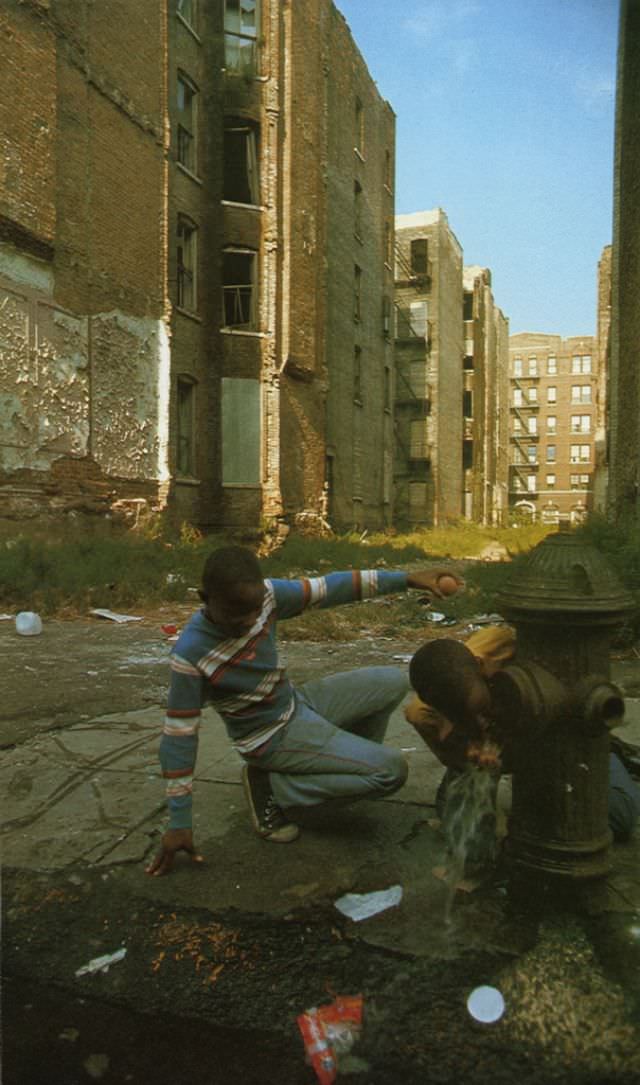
(241, 432)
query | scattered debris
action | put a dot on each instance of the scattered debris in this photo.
(329, 1032)
(113, 617)
(486, 1004)
(358, 906)
(102, 964)
(96, 1065)
(28, 624)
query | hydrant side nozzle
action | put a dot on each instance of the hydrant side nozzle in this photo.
(600, 703)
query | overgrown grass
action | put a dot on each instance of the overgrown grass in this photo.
(73, 569)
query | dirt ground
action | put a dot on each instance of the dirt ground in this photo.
(88, 667)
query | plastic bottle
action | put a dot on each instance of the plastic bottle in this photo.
(28, 624)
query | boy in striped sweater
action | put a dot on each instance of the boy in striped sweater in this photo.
(318, 743)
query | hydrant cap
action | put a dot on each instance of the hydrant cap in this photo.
(563, 575)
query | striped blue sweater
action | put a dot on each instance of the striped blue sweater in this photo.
(243, 677)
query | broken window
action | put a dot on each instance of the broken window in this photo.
(186, 107)
(357, 374)
(241, 20)
(239, 288)
(357, 292)
(419, 256)
(467, 404)
(357, 209)
(359, 127)
(187, 263)
(185, 459)
(241, 176)
(241, 431)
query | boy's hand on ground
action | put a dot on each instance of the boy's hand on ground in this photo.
(173, 841)
(428, 580)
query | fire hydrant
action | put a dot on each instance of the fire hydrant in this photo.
(557, 704)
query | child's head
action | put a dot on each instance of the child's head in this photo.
(446, 675)
(232, 589)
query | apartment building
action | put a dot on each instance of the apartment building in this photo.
(553, 410)
(484, 401)
(195, 257)
(429, 370)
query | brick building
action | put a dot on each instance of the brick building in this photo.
(485, 401)
(553, 409)
(429, 374)
(195, 262)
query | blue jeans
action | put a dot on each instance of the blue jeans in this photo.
(331, 748)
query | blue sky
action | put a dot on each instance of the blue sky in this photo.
(505, 119)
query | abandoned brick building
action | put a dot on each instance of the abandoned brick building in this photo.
(451, 381)
(196, 229)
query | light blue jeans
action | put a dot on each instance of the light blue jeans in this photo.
(331, 748)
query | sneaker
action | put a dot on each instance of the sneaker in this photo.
(268, 819)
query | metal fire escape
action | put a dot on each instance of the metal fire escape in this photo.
(523, 465)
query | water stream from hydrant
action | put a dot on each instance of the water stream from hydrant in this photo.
(469, 825)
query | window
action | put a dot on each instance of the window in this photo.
(418, 380)
(388, 171)
(552, 423)
(518, 458)
(550, 514)
(357, 374)
(357, 292)
(467, 305)
(417, 496)
(517, 367)
(532, 453)
(581, 423)
(551, 453)
(359, 127)
(419, 439)
(533, 366)
(532, 425)
(517, 397)
(419, 256)
(551, 481)
(581, 363)
(517, 425)
(418, 312)
(388, 244)
(581, 393)
(386, 316)
(532, 483)
(552, 365)
(241, 19)
(186, 106)
(185, 459)
(467, 404)
(241, 432)
(239, 289)
(186, 264)
(579, 482)
(467, 455)
(580, 454)
(552, 394)
(241, 176)
(532, 392)
(188, 10)
(357, 209)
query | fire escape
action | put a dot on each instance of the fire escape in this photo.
(525, 438)
(412, 330)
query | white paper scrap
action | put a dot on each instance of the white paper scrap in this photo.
(102, 964)
(114, 617)
(359, 906)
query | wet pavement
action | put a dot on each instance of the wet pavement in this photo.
(228, 953)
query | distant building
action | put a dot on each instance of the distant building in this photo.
(429, 380)
(485, 401)
(553, 412)
(196, 237)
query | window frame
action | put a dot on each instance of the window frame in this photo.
(253, 323)
(186, 270)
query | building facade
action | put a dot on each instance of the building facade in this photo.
(485, 401)
(553, 412)
(429, 373)
(195, 259)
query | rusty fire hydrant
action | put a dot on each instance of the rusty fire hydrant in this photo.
(558, 705)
